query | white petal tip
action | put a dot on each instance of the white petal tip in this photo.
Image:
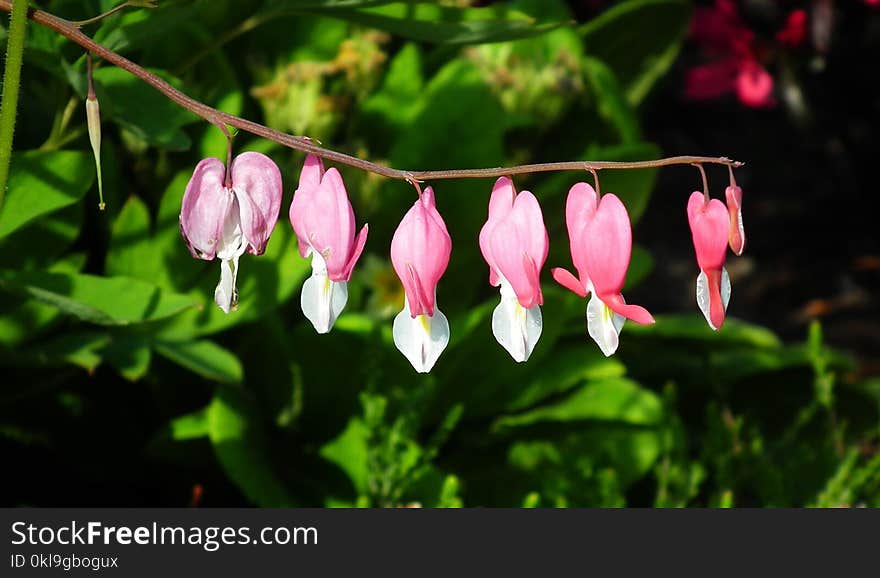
(517, 329)
(322, 300)
(604, 325)
(421, 339)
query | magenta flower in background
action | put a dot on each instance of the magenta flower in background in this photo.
(224, 214)
(515, 243)
(600, 237)
(420, 253)
(710, 227)
(324, 223)
(733, 64)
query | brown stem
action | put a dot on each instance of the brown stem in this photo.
(216, 117)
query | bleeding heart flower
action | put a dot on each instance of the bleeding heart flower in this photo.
(710, 227)
(737, 237)
(420, 253)
(514, 243)
(225, 214)
(601, 245)
(323, 220)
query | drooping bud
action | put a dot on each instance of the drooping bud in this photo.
(737, 236)
(93, 120)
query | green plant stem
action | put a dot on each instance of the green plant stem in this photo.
(11, 77)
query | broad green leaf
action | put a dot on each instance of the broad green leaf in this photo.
(448, 25)
(205, 358)
(349, 452)
(293, 6)
(131, 251)
(611, 102)
(80, 348)
(100, 300)
(42, 241)
(190, 426)
(396, 102)
(130, 355)
(141, 109)
(240, 445)
(41, 182)
(614, 399)
(565, 369)
(639, 40)
(694, 327)
(137, 28)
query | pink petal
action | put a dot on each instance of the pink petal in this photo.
(256, 181)
(359, 243)
(710, 225)
(519, 245)
(206, 204)
(609, 238)
(500, 203)
(638, 314)
(716, 302)
(580, 207)
(420, 251)
(312, 172)
(569, 281)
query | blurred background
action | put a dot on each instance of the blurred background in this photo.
(123, 385)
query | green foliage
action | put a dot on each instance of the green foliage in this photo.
(110, 338)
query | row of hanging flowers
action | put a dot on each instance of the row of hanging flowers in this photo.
(227, 211)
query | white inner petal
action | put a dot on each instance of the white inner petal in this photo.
(421, 339)
(516, 328)
(604, 325)
(703, 297)
(230, 247)
(725, 288)
(322, 300)
(703, 300)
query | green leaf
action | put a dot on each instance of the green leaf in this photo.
(131, 250)
(142, 110)
(292, 6)
(205, 358)
(191, 426)
(612, 104)
(240, 446)
(639, 40)
(349, 452)
(40, 183)
(130, 355)
(80, 348)
(694, 327)
(448, 25)
(100, 300)
(615, 399)
(565, 369)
